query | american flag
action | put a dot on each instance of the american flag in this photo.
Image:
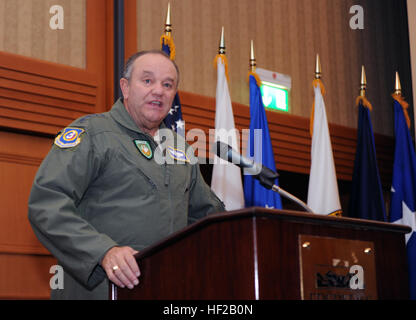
(174, 119)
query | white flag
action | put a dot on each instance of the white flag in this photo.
(323, 197)
(226, 177)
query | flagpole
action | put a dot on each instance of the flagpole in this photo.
(168, 25)
(323, 195)
(276, 188)
(397, 85)
(403, 202)
(221, 48)
(226, 180)
(252, 58)
(363, 86)
(318, 68)
(174, 119)
(366, 199)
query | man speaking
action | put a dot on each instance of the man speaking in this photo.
(99, 196)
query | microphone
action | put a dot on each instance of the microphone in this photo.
(265, 175)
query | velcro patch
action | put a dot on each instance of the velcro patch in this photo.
(69, 138)
(144, 147)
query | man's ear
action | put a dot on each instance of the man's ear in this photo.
(124, 85)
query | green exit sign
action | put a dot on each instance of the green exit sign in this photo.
(275, 97)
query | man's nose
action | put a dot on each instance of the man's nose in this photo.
(157, 89)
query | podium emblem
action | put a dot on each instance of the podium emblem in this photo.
(336, 269)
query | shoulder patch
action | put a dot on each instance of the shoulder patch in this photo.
(69, 137)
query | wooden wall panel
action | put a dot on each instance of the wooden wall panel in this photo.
(37, 99)
(130, 27)
(25, 30)
(20, 157)
(287, 35)
(25, 276)
(42, 96)
(24, 262)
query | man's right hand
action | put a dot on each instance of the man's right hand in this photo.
(121, 266)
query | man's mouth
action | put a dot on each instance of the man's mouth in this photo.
(156, 103)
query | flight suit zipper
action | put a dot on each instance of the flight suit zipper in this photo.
(167, 182)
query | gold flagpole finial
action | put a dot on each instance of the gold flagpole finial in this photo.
(252, 58)
(318, 69)
(397, 85)
(363, 84)
(168, 25)
(221, 49)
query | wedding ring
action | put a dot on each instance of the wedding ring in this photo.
(115, 268)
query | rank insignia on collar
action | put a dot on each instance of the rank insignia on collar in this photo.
(69, 137)
(177, 154)
(144, 147)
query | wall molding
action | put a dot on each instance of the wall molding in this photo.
(20, 159)
(12, 248)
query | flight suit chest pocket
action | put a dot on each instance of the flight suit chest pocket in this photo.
(179, 177)
(134, 173)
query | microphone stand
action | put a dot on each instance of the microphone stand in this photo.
(291, 197)
(266, 176)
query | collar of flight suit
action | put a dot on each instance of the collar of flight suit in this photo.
(120, 114)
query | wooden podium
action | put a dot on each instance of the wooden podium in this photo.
(260, 253)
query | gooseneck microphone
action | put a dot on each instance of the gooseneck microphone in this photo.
(266, 176)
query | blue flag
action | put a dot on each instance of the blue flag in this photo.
(366, 200)
(174, 119)
(259, 148)
(403, 189)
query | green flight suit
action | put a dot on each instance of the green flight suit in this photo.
(101, 192)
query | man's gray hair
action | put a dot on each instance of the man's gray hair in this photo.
(128, 68)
